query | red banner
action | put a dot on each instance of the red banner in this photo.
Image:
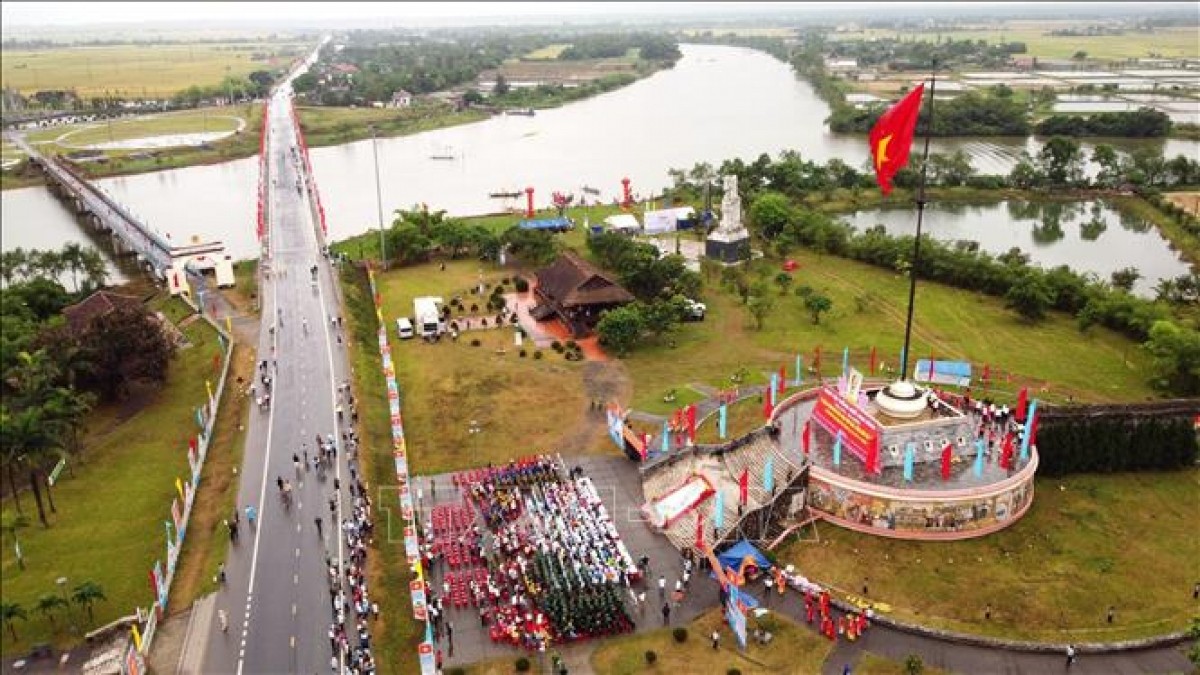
(861, 434)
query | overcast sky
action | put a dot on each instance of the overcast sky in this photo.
(19, 13)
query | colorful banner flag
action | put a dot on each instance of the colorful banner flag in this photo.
(774, 387)
(718, 517)
(837, 449)
(782, 380)
(947, 454)
(744, 486)
(179, 486)
(691, 423)
(769, 475)
(806, 435)
(845, 361)
(767, 407)
(872, 370)
(666, 437)
(722, 415)
(1030, 430)
(1022, 403)
(979, 454)
(910, 456)
(799, 370)
(891, 137)
(699, 529)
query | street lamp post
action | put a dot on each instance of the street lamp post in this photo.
(379, 199)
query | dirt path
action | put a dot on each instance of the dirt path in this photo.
(602, 381)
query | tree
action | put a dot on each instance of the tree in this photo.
(126, 346)
(1061, 161)
(620, 328)
(95, 270)
(10, 611)
(406, 244)
(262, 80)
(43, 296)
(1106, 157)
(770, 213)
(48, 604)
(87, 594)
(784, 281)
(817, 304)
(537, 247)
(472, 97)
(760, 305)
(27, 435)
(1125, 278)
(501, 87)
(1176, 352)
(1030, 296)
(72, 257)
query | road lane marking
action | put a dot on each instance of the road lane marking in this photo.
(292, 641)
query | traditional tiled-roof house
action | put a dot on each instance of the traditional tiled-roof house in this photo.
(577, 292)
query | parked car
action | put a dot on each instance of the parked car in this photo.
(695, 311)
(404, 328)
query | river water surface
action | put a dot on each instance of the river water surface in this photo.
(716, 103)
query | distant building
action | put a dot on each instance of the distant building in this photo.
(401, 99)
(841, 65)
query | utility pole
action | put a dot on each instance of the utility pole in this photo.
(379, 199)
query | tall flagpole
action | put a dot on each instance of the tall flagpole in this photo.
(912, 284)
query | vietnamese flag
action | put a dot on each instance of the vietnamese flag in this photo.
(782, 380)
(699, 530)
(947, 453)
(1022, 401)
(891, 137)
(691, 422)
(767, 408)
(806, 436)
(744, 486)
(872, 361)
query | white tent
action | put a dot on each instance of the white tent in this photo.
(664, 220)
(623, 222)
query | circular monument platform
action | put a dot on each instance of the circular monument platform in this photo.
(972, 501)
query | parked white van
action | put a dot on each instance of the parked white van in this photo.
(404, 328)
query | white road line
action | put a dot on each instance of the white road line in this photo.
(262, 493)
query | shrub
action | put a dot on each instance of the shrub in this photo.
(521, 284)
(523, 665)
(571, 344)
(680, 634)
(537, 354)
(556, 346)
(474, 308)
(475, 342)
(651, 657)
(913, 665)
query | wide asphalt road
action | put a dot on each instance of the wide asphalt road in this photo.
(277, 598)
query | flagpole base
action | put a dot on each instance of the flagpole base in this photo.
(901, 400)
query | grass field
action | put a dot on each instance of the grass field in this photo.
(1162, 42)
(1089, 541)
(125, 162)
(331, 126)
(873, 664)
(793, 650)
(111, 507)
(140, 70)
(742, 418)
(203, 120)
(547, 53)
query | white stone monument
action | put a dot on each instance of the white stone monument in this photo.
(730, 242)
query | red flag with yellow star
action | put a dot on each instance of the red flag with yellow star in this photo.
(891, 137)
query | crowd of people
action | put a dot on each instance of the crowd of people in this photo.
(549, 566)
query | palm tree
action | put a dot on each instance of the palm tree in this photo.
(26, 433)
(95, 270)
(48, 264)
(12, 264)
(10, 611)
(48, 604)
(86, 594)
(72, 258)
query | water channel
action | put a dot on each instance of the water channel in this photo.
(716, 103)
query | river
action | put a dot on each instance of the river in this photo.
(717, 103)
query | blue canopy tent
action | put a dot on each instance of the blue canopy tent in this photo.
(552, 224)
(735, 556)
(957, 373)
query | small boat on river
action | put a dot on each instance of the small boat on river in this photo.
(505, 195)
(525, 112)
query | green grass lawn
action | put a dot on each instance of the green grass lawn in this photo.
(870, 663)
(547, 53)
(742, 418)
(324, 125)
(793, 650)
(1171, 42)
(183, 122)
(111, 507)
(140, 70)
(1088, 542)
